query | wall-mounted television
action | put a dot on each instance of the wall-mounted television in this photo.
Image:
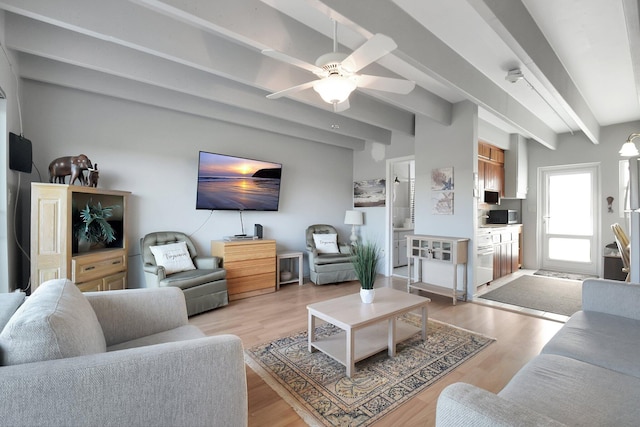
(236, 183)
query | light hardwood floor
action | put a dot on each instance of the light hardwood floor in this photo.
(255, 320)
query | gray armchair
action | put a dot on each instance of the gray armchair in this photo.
(204, 287)
(326, 268)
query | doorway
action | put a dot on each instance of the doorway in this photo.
(400, 212)
(569, 218)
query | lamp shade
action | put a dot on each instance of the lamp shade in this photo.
(353, 218)
(334, 88)
(629, 149)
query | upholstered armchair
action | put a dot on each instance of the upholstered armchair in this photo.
(169, 258)
(329, 259)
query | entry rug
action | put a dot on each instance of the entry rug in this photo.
(316, 386)
(561, 275)
(545, 294)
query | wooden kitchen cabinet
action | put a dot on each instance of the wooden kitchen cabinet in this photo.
(506, 250)
(491, 175)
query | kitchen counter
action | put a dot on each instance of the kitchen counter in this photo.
(499, 225)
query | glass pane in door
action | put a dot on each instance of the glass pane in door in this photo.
(570, 204)
(566, 249)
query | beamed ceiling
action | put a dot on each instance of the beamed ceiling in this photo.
(204, 57)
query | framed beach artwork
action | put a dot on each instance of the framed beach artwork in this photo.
(369, 193)
(442, 191)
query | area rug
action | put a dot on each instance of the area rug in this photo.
(540, 293)
(316, 386)
(561, 275)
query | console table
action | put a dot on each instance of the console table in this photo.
(250, 265)
(436, 260)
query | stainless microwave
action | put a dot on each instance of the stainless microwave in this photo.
(503, 216)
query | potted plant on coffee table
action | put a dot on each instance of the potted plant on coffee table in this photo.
(365, 260)
(93, 227)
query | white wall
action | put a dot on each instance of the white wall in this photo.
(456, 146)
(153, 152)
(576, 149)
(10, 258)
(371, 163)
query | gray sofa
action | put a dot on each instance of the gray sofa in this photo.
(588, 374)
(115, 358)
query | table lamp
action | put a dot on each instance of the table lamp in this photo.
(353, 218)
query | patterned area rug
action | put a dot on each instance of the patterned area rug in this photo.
(315, 385)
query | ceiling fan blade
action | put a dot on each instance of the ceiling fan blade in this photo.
(386, 84)
(291, 90)
(294, 61)
(373, 49)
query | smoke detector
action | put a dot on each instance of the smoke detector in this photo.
(514, 75)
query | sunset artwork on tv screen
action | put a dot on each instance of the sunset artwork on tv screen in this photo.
(235, 183)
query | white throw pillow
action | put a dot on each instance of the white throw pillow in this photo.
(174, 257)
(326, 243)
(55, 322)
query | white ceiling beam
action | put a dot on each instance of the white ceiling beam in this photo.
(52, 72)
(41, 39)
(422, 49)
(255, 24)
(513, 23)
(139, 28)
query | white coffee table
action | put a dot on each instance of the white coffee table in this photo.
(365, 330)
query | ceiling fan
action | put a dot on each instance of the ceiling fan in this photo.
(337, 71)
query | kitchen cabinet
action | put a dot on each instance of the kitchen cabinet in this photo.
(516, 168)
(400, 247)
(491, 173)
(506, 250)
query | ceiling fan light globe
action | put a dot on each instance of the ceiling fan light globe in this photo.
(334, 89)
(628, 149)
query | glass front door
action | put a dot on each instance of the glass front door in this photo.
(569, 218)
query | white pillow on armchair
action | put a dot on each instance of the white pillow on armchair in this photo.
(326, 243)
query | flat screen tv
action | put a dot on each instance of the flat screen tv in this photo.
(235, 183)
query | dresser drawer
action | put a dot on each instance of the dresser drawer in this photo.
(95, 266)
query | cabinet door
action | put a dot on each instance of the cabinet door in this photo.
(115, 281)
(402, 252)
(91, 286)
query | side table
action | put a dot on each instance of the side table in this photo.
(297, 274)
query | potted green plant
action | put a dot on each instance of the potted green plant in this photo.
(365, 260)
(93, 226)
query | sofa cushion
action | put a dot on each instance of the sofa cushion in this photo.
(9, 303)
(609, 341)
(55, 322)
(182, 333)
(575, 393)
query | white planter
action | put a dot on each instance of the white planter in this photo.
(366, 295)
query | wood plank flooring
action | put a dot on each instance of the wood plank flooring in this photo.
(255, 320)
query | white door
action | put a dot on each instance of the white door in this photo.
(570, 218)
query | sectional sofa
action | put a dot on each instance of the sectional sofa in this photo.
(588, 374)
(114, 358)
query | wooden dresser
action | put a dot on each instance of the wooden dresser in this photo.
(250, 265)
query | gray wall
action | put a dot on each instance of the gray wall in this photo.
(10, 256)
(576, 149)
(153, 152)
